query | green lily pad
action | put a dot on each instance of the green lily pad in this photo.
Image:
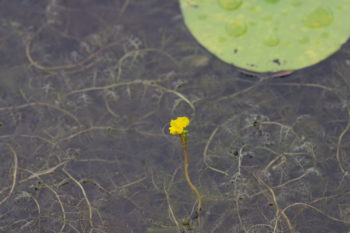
(269, 35)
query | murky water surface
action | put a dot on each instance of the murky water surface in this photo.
(87, 90)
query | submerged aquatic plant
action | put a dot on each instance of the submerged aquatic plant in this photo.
(177, 127)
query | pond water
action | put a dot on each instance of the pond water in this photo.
(87, 90)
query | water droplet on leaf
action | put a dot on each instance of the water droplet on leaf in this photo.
(319, 18)
(236, 29)
(230, 4)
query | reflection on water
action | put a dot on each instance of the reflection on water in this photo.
(86, 92)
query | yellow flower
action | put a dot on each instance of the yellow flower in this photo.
(177, 126)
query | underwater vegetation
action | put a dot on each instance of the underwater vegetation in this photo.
(87, 89)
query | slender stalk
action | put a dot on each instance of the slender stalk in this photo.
(187, 176)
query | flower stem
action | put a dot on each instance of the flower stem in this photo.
(187, 176)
